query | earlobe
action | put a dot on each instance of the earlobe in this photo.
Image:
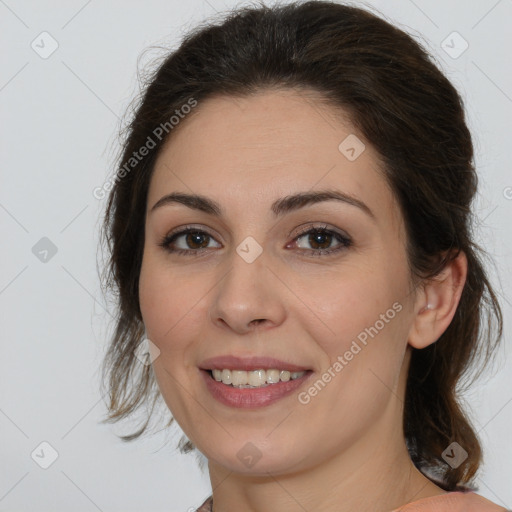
(437, 303)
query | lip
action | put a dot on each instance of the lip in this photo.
(247, 398)
(231, 362)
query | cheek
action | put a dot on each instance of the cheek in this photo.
(365, 319)
(356, 301)
(162, 301)
(155, 304)
(172, 306)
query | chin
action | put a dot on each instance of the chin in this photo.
(256, 455)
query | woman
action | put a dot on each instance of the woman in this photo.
(289, 228)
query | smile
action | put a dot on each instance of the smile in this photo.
(254, 379)
(240, 393)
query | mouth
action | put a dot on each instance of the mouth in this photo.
(243, 379)
(251, 382)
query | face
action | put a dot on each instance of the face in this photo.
(315, 292)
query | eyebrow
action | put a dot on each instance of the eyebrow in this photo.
(279, 207)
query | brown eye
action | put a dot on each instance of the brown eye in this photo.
(192, 241)
(188, 241)
(320, 240)
(196, 240)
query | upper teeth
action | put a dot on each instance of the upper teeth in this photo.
(256, 378)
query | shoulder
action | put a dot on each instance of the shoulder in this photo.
(450, 502)
(206, 506)
(479, 503)
(457, 501)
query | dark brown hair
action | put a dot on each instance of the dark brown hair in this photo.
(401, 104)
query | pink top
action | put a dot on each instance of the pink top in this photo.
(455, 501)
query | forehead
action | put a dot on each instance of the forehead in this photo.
(268, 145)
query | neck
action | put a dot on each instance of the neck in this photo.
(376, 484)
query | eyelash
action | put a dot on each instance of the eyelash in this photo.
(344, 241)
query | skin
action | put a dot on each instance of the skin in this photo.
(344, 450)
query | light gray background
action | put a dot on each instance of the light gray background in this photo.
(60, 117)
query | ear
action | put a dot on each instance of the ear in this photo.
(437, 302)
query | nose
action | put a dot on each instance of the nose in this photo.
(248, 297)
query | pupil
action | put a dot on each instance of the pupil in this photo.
(317, 236)
(194, 238)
